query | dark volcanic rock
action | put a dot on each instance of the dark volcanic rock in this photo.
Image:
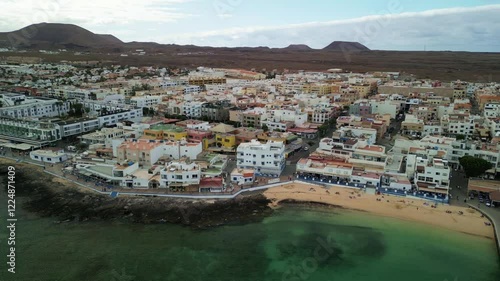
(69, 203)
(298, 47)
(346, 46)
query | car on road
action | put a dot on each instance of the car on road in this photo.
(306, 148)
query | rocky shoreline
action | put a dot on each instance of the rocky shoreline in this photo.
(51, 197)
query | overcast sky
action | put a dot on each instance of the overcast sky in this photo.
(472, 25)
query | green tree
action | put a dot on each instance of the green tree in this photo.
(474, 166)
(82, 146)
(76, 110)
(460, 137)
(265, 128)
(322, 130)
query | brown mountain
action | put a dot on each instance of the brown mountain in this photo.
(55, 35)
(344, 45)
(298, 47)
(445, 66)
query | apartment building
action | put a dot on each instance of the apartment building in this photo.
(180, 175)
(216, 111)
(432, 175)
(362, 89)
(369, 158)
(104, 136)
(319, 115)
(111, 118)
(487, 151)
(194, 124)
(385, 107)
(205, 137)
(224, 136)
(77, 126)
(144, 152)
(361, 108)
(253, 118)
(330, 169)
(145, 101)
(35, 108)
(165, 132)
(201, 81)
(29, 131)
(368, 134)
(412, 126)
(288, 115)
(460, 124)
(192, 109)
(182, 149)
(491, 110)
(266, 159)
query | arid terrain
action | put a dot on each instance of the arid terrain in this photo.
(349, 56)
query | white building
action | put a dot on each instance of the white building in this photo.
(385, 107)
(181, 149)
(432, 174)
(34, 107)
(180, 174)
(297, 117)
(192, 89)
(48, 156)
(491, 110)
(113, 118)
(369, 134)
(276, 126)
(192, 109)
(104, 136)
(266, 159)
(432, 129)
(145, 101)
(243, 176)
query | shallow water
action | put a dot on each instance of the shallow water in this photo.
(293, 244)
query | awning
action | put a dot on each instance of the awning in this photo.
(440, 191)
(20, 146)
(85, 173)
(495, 196)
(480, 189)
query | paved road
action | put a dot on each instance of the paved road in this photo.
(458, 184)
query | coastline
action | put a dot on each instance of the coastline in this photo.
(57, 197)
(470, 222)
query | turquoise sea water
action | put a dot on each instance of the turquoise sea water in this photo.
(293, 244)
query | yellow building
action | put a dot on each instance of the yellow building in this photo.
(224, 136)
(225, 140)
(459, 93)
(363, 89)
(165, 132)
(200, 81)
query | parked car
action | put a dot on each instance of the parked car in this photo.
(306, 148)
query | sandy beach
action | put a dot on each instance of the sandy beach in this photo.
(421, 211)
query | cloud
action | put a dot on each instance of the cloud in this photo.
(16, 14)
(475, 28)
